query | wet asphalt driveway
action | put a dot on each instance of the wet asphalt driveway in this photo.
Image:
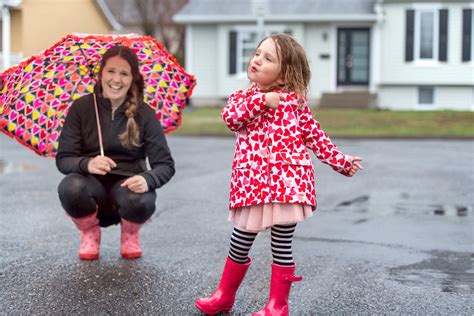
(396, 239)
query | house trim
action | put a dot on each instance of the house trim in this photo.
(188, 43)
(333, 76)
(417, 84)
(206, 19)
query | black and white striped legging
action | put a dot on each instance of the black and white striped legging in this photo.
(282, 236)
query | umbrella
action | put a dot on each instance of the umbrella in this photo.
(36, 93)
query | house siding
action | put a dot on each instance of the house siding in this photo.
(44, 22)
(399, 79)
(321, 68)
(210, 61)
(445, 98)
(395, 70)
(204, 61)
(394, 80)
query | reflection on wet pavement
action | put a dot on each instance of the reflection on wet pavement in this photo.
(356, 201)
(403, 207)
(9, 167)
(446, 271)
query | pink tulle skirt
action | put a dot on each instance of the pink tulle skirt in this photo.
(257, 218)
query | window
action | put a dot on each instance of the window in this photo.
(426, 40)
(426, 96)
(426, 34)
(242, 43)
(246, 44)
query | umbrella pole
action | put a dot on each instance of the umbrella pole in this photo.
(99, 131)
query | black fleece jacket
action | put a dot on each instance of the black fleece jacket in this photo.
(79, 141)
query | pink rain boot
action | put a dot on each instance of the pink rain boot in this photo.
(223, 298)
(130, 240)
(90, 236)
(280, 285)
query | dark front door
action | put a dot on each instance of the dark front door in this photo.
(353, 56)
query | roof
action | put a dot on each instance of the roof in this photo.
(126, 11)
(208, 11)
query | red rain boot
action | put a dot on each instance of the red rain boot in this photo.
(280, 285)
(90, 236)
(223, 298)
(130, 240)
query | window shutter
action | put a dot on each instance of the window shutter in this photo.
(466, 34)
(409, 34)
(232, 52)
(443, 35)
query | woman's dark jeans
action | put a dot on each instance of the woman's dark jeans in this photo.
(84, 194)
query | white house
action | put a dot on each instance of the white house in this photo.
(394, 54)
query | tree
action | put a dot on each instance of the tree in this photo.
(156, 20)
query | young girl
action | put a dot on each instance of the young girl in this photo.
(272, 184)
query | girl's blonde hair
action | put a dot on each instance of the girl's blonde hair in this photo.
(294, 66)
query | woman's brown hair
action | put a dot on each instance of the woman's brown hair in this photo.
(294, 67)
(131, 136)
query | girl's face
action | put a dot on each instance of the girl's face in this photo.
(116, 80)
(264, 67)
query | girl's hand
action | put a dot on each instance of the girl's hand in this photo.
(100, 165)
(136, 184)
(272, 99)
(356, 166)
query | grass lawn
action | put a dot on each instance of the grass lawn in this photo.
(352, 123)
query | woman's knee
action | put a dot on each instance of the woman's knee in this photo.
(72, 186)
(137, 207)
(74, 195)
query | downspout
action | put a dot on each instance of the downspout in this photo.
(377, 47)
(5, 36)
(258, 8)
(6, 30)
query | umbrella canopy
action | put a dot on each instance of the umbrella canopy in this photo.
(37, 93)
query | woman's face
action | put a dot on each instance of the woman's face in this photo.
(116, 80)
(264, 67)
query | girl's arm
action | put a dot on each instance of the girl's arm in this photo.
(241, 109)
(320, 143)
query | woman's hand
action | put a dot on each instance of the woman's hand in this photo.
(272, 100)
(136, 184)
(100, 165)
(356, 166)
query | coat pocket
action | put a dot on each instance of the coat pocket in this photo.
(243, 162)
(297, 159)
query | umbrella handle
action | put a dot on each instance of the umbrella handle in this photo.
(99, 131)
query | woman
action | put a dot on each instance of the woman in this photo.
(101, 189)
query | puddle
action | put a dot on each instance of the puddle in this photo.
(449, 272)
(8, 167)
(360, 205)
(360, 221)
(355, 201)
(451, 210)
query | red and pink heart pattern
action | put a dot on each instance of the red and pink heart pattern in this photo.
(36, 94)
